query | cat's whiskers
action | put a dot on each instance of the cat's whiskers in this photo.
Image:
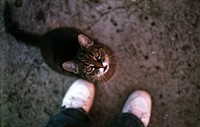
(112, 60)
(116, 56)
(99, 79)
(95, 78)
(102, 83)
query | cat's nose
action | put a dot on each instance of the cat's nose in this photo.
(99, 65)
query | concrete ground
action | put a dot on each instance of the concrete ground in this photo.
(158, 47)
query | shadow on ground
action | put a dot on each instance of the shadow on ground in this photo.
(157, 43)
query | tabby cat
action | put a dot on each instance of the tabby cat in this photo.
(67, 50)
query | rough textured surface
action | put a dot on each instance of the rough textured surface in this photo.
(158, 48)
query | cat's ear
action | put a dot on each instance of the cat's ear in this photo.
(70, 66)
(84, 41)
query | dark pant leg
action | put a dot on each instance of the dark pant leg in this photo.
(128, 120)
(69, 118)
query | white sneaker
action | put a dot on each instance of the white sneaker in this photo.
(139, 104)
(79, 95)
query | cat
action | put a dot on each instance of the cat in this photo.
(67, 50)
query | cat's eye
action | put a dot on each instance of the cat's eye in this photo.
(90, 69)
(97, 54)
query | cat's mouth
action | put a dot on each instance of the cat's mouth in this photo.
(103, 69)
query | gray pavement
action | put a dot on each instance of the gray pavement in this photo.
(158, 47)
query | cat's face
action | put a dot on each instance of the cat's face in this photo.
(95, 62)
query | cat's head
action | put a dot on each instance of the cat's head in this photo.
(95, 62)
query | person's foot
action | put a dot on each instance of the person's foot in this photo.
(79, 95)
(139, 104)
